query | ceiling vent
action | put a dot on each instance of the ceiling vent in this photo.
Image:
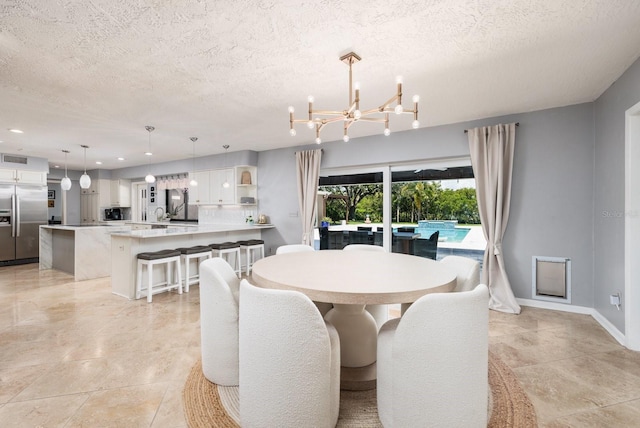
(22, 160)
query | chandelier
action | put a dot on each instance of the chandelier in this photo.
(318, 119)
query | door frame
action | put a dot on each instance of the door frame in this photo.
(632, 228)
(136, 203)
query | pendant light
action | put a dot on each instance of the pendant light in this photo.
(65, 183)
(85, 180)
(149, 178)
(226, 181)
(193, 182)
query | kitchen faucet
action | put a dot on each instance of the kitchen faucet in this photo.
(159, 217)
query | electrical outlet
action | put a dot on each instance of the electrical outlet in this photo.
(615, 299)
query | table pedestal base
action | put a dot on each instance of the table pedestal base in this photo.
(358, 334)
(358, 378)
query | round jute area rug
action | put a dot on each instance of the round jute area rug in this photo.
(209, 405)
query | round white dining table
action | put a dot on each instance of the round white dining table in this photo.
(350, 280)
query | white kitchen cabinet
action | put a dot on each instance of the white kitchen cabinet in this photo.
(200, 194)
(210, 189)
(96, 197)
(8, 175)
(246, 186)
(17, 176)
(89, 208)
(120, 193)
(220, 194)
(93, 188)
(31, 177)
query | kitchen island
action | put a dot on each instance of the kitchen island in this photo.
(83, 251)
(126, 245)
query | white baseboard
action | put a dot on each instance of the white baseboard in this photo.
(611, 329)
(543, 304)
(606, 324)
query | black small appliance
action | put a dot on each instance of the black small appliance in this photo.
(113, 214)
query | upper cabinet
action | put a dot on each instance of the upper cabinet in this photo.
(215, 187)
(246, 185)
(31, 177)
(200, 194)
(23, 177)
(93, 188)
(120, 193)
(222, 188)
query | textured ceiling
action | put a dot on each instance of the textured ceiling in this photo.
(96, 72)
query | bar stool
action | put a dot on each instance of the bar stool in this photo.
(186, 255)
(250, 247)
(226, 248)
(150, 259)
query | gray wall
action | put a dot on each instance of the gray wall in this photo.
(609, 119)
(552, 203)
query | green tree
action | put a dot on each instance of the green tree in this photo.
(351, 195)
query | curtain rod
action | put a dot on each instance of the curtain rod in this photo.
(466, 130)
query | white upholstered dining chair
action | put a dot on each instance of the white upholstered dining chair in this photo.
(467, 271)
(379, 312)
(219, 293)
(364, 247)
(433, 362)
(293, 248)
(289, 361)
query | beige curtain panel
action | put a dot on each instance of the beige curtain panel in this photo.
(491, 150)
(308, 171)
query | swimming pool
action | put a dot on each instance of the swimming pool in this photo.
(448, 230)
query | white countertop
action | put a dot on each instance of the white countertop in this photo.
(83, 226)
(189, 230)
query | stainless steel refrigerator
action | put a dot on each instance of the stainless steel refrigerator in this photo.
(23, 208)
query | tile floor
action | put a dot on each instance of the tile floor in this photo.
(74, 355)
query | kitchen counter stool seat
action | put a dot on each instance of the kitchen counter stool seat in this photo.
(151, 259)
(225, 249)
(250, 248)
(186, 255)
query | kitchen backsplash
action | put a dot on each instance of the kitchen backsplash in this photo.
(225, 215)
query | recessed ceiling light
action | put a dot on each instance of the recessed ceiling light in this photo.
(120, 159)
(148, 153)
(17, 131)
(56, 166)
(98, 163)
